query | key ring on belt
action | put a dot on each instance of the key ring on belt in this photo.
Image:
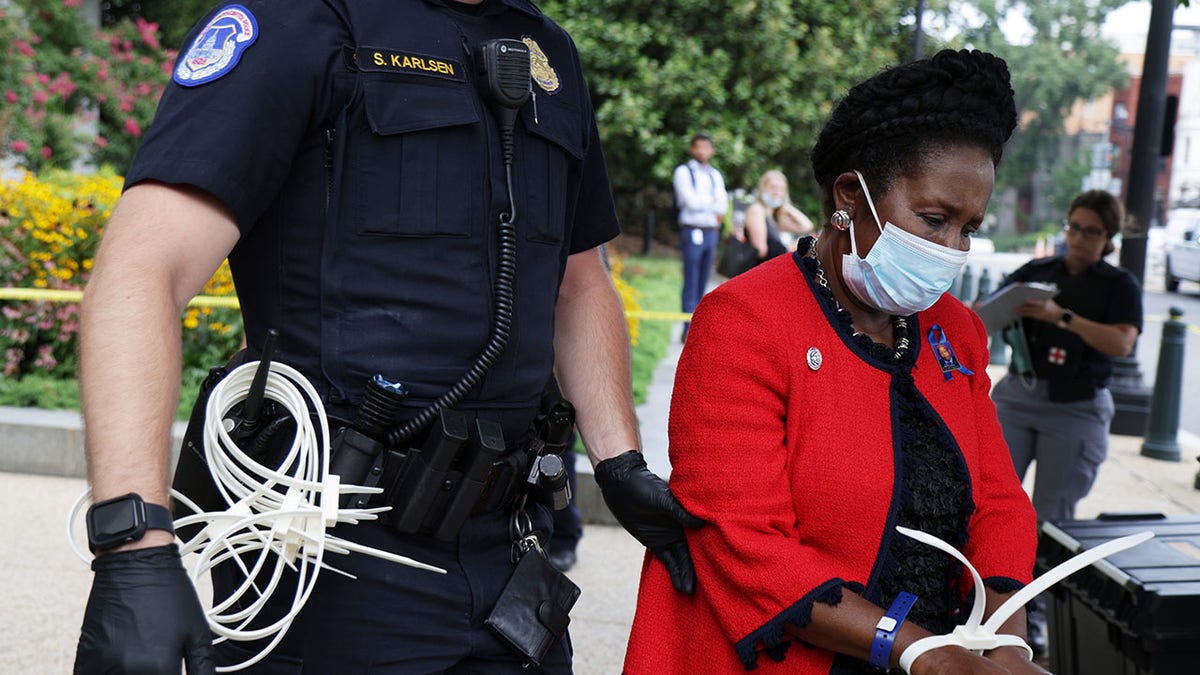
(520, 529)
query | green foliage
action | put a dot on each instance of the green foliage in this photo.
(658, 282)
(175, 17)
(71, 92)
(53, 393)
(759, 77)
(1067, 179)
(39, 391)
(1066, 60)
(1025, 241)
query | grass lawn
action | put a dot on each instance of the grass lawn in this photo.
(658, 281)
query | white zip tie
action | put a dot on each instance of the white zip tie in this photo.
(979, 636)
(272, 513)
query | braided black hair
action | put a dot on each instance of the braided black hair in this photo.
(888, 124)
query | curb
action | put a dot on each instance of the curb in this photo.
(50, 442)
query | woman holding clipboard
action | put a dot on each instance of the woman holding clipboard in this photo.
(1061, 421)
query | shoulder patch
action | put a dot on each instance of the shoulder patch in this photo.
(218, 47)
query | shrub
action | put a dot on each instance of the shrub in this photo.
(50, 230)
(50, 227)
(71, 92)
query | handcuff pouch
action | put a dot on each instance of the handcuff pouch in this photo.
(532, 612)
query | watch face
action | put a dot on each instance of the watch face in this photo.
(115, 521)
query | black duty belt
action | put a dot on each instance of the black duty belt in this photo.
(462, 467)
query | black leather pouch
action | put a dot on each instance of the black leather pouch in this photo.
(532, 612)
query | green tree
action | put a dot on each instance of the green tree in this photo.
(174, 17)
(1065, 61)
(759, 77)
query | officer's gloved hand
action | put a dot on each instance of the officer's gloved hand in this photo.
(143, 616)
(644, 506)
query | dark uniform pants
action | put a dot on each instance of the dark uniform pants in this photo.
(397, 619)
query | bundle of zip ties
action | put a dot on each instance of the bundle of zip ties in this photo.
(276, 518)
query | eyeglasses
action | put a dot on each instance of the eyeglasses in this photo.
(1090, 233)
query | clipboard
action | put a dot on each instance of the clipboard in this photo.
(1000, 308)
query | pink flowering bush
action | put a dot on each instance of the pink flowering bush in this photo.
(71, 91)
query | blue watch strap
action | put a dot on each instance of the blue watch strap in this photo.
(888, 626)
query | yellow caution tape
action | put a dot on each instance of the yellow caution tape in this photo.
(54, 295)
(231, 302)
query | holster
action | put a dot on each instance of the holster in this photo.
(462, 469)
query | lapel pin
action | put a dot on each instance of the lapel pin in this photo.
(814, 358)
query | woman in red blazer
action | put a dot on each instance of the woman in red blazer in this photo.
(826, 397)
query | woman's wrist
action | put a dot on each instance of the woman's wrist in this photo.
(1008, 654)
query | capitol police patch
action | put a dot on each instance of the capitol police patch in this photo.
(218, 47)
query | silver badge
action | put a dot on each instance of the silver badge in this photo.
(814, 358)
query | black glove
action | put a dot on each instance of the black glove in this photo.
(143, 616)
(644, 506)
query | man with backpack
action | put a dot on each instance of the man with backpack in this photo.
(702, 202)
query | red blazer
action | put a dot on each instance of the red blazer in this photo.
(794, 470)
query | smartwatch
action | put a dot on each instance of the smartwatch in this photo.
(123, 519)
(1065, 321)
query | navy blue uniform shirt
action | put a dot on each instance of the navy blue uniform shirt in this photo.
(350, 142)
(1101, 293)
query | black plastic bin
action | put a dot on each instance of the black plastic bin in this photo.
(1133, 613)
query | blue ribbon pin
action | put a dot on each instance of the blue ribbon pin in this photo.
(944, 353)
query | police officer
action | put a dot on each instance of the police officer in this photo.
(346, 159)
(1060, 419)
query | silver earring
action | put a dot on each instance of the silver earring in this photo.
(841, 220)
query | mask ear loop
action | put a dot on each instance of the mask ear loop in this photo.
(869, 203)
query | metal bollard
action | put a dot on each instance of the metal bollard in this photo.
(985, 285)
(1162, 426)
(966, 284)
(997, 349)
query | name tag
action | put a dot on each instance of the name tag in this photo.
(378, 60)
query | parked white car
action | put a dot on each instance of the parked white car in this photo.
(1183, 260)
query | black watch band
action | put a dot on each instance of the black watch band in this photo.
(1065, 321)
(159, 517)
(123, 519)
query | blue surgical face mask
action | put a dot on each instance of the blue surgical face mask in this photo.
(903, 273)
(771, 201)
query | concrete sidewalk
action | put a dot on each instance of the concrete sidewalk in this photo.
(46, 587)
